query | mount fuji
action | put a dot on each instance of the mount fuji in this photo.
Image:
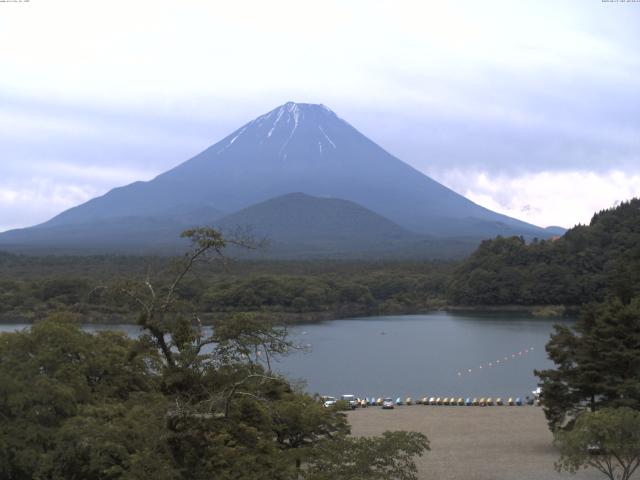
(295, 148)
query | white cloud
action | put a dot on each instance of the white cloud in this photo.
(52, 187)
(563, 198)
(28, 205)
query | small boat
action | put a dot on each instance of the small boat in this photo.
(489, 402)
(408, 401)
(445, 401)
(398, 401)
(499, 401)
(518, 401)
(424, 401)
(432, 400)
(438, 401)
(461, 402)
(483, 402)
(475, 402)
(379, 401)
(510, 402)
(468, 402)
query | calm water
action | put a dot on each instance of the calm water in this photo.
(414, 355)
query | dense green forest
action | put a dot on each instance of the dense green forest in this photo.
(588, 263)
(32, 287)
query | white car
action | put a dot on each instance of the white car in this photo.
(351, 401)
(388, 403)
(328, 401)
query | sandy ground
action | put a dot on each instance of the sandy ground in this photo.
(474, 443)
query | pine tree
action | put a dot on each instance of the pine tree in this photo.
(597, 363)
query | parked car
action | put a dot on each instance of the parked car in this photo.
(595, 449)
(351, 400)
(388, 403)
(328, 401)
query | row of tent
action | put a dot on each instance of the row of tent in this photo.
(453, 401)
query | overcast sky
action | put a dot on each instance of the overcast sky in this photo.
(530, 108)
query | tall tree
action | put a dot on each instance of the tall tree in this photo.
(597, 363)
(607, 440)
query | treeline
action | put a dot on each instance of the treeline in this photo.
(32, 287)
(585, 265)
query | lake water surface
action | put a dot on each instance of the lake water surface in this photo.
(436, 354)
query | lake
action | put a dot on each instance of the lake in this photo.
(436, 354)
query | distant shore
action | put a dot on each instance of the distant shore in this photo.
(473, 443)
(302, 318)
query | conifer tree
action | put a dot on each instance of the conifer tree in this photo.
(597, 363)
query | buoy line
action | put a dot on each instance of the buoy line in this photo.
(498, 362)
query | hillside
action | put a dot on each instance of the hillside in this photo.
(586, 264)
(299, 224)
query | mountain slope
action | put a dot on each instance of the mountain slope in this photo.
(301, 148)
(298, 148)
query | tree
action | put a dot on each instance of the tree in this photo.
(301, 423)
(183, 401)
(607, 440)
(54, 374)
(389, 457)
(597, 363)
(251, 337)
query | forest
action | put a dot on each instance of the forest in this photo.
(587, 264)
(32, 287)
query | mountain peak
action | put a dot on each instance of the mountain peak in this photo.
(307, 106)
(287, 125)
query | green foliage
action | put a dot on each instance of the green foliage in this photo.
(33, 287)
(607, 440)
(586, 264)
(55, 373)
(597, 362)
(180, 402)
(389, 457)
